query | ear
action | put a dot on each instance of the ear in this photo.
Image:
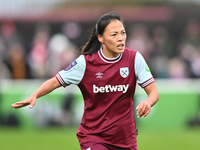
(100, 38)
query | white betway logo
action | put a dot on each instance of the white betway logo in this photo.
(110, 88)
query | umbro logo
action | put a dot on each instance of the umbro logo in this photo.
(99, 75)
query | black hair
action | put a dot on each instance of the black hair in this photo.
(93, 45)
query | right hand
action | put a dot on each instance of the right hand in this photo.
(143, 109)
(30, 100)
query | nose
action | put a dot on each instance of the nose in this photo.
(120, 38)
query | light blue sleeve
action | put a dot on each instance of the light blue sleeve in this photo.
(74, 73)
(142, 71)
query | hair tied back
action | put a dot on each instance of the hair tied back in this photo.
(96, 30)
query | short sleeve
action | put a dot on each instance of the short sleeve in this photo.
(74, 73)
(143, 73)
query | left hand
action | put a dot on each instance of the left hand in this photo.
(143, 109)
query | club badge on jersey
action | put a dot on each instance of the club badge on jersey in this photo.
(71, 65)
(124, 72)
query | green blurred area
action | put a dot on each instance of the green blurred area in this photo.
(174, 139)
(45, 139)
(65, 138)
(167, 127)
(173, 111)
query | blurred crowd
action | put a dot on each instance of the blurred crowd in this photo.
(49, 53)
(45, 56)
(167, 56)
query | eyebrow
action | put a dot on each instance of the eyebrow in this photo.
(117, 31)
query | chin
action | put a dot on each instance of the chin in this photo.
(120, 51)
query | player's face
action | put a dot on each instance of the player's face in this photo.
(113, 39)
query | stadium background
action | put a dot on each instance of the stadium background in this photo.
(168, 33)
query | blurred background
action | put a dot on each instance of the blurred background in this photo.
(38, 38)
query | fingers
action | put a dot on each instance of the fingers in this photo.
(32, 104)
(147, 112)
(24, 103)
(143, 109)
(19, 104)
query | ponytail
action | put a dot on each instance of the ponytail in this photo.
(93, 45)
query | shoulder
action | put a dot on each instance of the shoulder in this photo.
(127, 50)
(90, 56)
(74, 73)
(129, 54)
(80, 60)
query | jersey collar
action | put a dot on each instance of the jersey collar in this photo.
(108, 60)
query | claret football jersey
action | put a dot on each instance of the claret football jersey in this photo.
(108, 86)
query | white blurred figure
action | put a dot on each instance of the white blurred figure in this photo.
(45, 114)
(61, 53)
(72, 30)
(187, 52)
(139, 40)
(39, 52)
(177, 69)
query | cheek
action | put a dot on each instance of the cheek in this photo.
(109, 42)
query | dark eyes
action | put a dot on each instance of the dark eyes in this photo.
(116, 34)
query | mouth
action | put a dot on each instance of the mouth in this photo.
(121, 46)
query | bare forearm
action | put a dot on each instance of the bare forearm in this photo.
(153, 97)
(46, 88)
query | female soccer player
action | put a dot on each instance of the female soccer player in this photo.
(106, 73)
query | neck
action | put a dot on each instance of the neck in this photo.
(108, 54)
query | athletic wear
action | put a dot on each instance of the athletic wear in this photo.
(108, 86)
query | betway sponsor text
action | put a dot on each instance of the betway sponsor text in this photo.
(110, 88)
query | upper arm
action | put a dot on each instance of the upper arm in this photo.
(74, 73)
(142, 71)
